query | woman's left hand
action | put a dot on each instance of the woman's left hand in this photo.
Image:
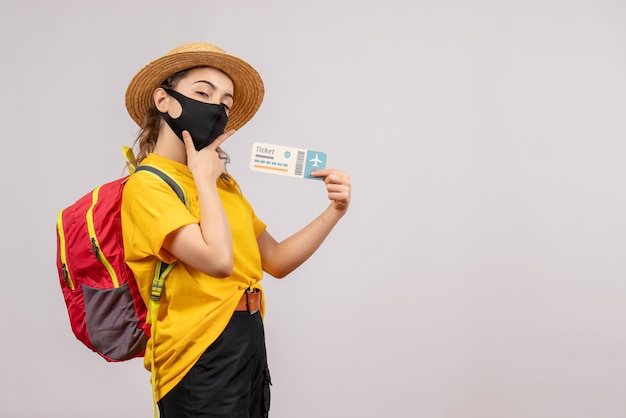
(338, 187)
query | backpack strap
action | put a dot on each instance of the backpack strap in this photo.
(167, 179)
(162, 268)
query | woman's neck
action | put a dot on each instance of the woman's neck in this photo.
(168, 145)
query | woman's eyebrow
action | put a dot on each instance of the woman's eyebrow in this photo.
(213, 87)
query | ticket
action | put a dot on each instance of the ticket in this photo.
(286, 161)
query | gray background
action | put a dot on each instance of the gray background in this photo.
(480, 271)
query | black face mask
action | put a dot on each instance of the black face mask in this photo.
(204, 121)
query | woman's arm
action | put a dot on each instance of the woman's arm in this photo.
(281, 258)
(206, 246)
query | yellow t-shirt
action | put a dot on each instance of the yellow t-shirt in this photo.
(194, 307)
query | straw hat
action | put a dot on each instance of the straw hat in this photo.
(248, 84)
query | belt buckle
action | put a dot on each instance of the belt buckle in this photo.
(250, 292)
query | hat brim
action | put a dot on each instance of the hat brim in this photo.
(248, 85)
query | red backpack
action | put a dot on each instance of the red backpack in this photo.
(105, 309)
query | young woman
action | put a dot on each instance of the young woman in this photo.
(209, 347)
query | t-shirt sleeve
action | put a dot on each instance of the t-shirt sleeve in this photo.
(257, 223)
(154, 212)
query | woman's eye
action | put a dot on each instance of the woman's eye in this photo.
(203, 94)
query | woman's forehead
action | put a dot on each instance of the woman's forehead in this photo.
(210, 74)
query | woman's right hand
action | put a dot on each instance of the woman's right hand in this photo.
(206, 163)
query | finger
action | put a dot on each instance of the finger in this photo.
(333, 177)
(189, 146)
(220, 139)
(320, 173)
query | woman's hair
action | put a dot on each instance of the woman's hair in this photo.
(149, 129)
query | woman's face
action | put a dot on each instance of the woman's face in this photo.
(208, 85)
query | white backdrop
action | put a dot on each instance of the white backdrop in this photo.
(480, 271)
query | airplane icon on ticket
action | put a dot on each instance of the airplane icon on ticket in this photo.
(316, 161)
